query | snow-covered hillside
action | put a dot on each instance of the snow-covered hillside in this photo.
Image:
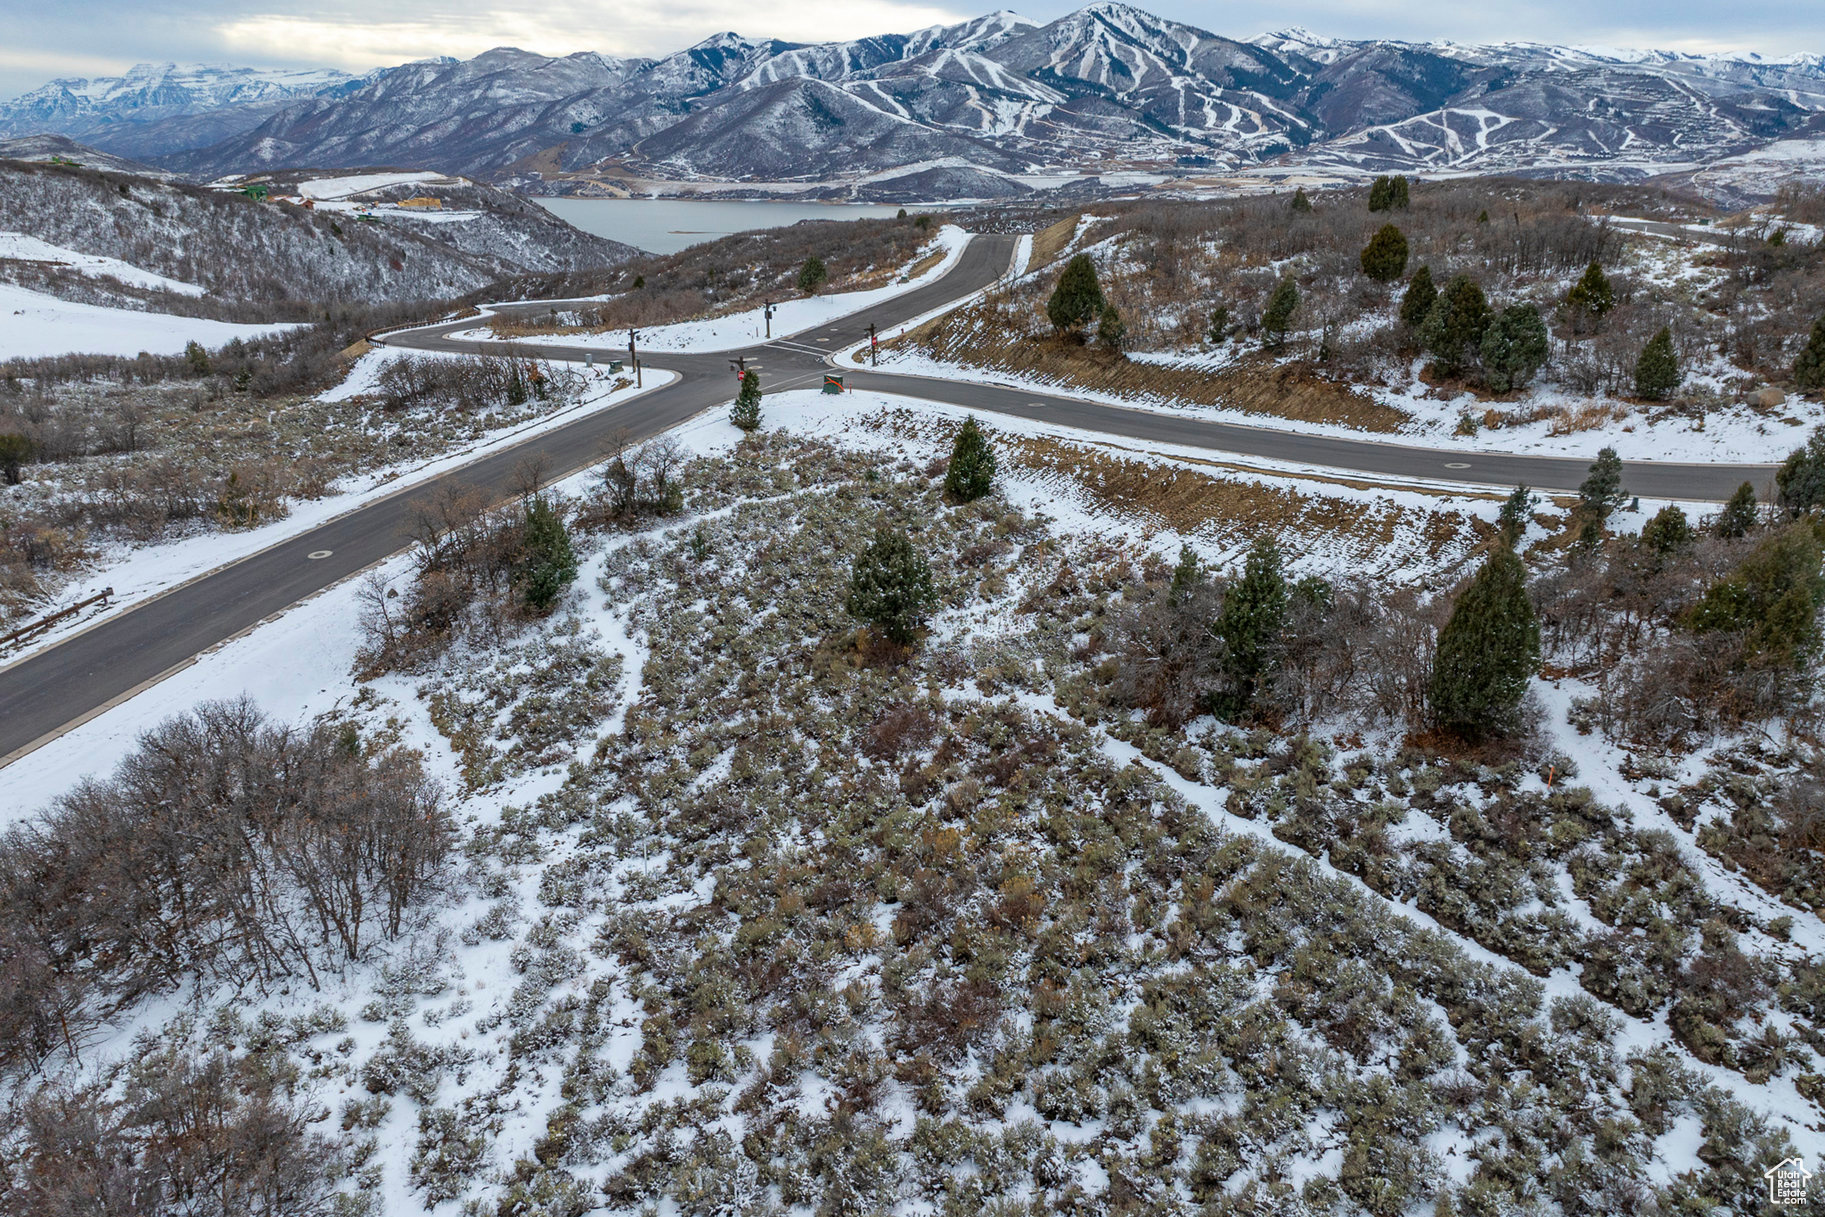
(33, 325)
(253, 253)
(738, 919)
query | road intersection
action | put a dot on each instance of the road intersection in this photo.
(55, 689)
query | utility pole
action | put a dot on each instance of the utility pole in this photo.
(874, 346)
(633, 356)
(739, 364)
(768, 314)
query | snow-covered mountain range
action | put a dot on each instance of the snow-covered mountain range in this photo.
(160, 107)
(1106, 88)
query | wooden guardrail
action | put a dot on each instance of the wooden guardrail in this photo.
(25, 632)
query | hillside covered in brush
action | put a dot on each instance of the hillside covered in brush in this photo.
(251, 254)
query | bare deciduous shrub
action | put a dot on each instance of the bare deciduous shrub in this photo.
(635, 481)
(467, 557)
(465, 384)
(224, 846)
(204, 1136)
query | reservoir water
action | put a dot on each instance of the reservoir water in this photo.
(665, 226)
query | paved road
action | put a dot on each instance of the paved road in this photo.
(65, 684)
(56, 688)
(802, 361)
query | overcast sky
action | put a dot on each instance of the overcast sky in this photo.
(102, 37)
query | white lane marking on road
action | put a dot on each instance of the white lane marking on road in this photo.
(823, 340)
(319, 554)
(1457, 464)
(1037, 405)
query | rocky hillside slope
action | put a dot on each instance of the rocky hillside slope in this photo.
(249, 252)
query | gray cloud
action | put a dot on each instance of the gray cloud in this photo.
(93, 37)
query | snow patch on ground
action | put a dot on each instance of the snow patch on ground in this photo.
(33, 325)
(362, 183)
(18, 245)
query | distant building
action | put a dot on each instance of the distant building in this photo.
(423, 203)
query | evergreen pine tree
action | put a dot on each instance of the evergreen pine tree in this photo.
(745, 413)
(15, 450)
(1668, 532)
(972, 469)
(1186, 576)
(890, 587)
(1486, 652)
(548, 564)
(1301, 202)
(1514, 347)
(1277, 318)
(1381, 194)
(196, 358)
(1809, 368)
(1738, 515)
(1077, 300)
(1657, 371)
(1111, 330)
(1801, 477)
(1601, 492)
(1591, 295)
(1252, 626)
(1517, 510)
(1219, 324)
(1401, 195)
(1772, 598)
(1384, 258)
(1454, 328)
(812, 275)
(1482, 217)
(1420, 296)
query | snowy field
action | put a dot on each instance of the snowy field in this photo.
(30, 249)
(250, 665)
(298, 666)
(336, 189)
(33, 325)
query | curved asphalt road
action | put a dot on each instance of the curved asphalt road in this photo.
(54, 690)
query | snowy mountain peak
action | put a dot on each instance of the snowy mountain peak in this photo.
(1000, 93)
(202, 83)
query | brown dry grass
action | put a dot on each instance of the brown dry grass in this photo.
(1188, 501)
(983, 336)
(1049, 242)
(1591, 416)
